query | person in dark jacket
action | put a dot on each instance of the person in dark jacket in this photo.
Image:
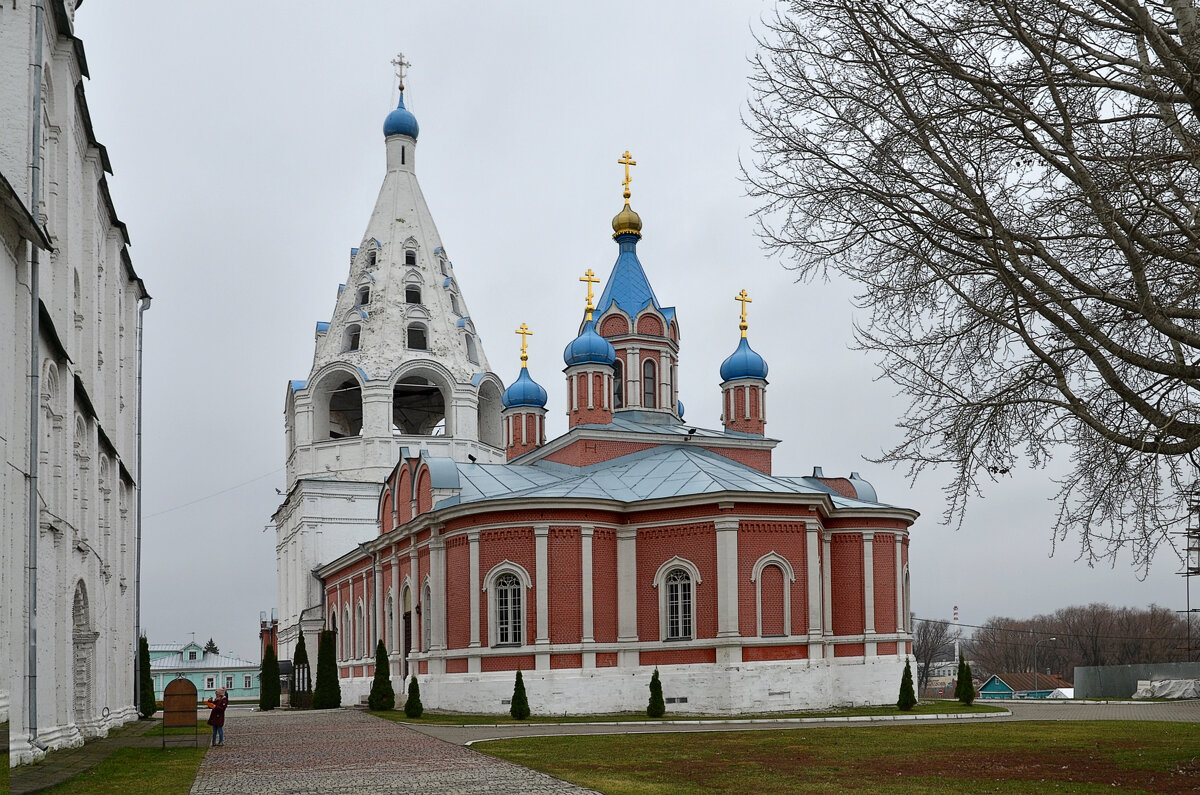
(216, 718)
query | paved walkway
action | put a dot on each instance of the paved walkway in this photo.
(348, 751)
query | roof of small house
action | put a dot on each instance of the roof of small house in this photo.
(204, 662)
(1024, 682)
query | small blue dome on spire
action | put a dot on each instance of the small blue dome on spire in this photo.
(401, 121)
(524, 392)
(743, 363)
(589, 348)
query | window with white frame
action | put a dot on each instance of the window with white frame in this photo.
(676, 581)
(229, 682)
(210, 682)
(360, 630)
(679, 605)
(192, 654)
(247, 681)
(426, 619)
(509, 614)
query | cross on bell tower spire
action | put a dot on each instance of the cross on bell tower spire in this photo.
(745, 298)
(627, 161)
(401, 68)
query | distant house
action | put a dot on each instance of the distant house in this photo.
(206, 671)
(1022, 685)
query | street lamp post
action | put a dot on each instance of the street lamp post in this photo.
(1035, 667)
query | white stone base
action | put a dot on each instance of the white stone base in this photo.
(56, 738)
(757, 687)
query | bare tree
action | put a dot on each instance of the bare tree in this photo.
(932, 641)
(1015, 184)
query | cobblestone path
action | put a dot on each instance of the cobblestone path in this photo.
(347, 751)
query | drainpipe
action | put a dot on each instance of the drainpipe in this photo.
(35, 369)
(143, 305)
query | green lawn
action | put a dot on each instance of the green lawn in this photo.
(1011, 757)
(459, 719)
(138, 770)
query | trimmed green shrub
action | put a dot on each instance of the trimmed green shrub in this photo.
(268, 680)
(413, 707)
(908, 699)
(520, 704)
(964, 688)
(328, 692)
(382, 697)
(657, 707)
(148, 705)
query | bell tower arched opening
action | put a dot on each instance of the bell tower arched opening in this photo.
(418, 407)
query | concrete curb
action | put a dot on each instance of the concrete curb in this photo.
(666, 725)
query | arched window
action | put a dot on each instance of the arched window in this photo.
(412, 294)
(426, 619)
(679, 605)
(508, 609)
(418, 339)
(389, 624)
(773, 576)
(454, 305)
(410, 257)
(364, 295)
(649, 384)
(347, 634)
(372, 255)
(472, 352)
(618, 385)
(351, 338)
(360, 633)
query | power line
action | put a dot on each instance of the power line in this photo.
(214, 494)
(1032, 631)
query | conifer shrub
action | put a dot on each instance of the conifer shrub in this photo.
(146, 682)
(413, 707)
(908, 699)
(268, 680)
(520, 704)
(301, 678)
(964, 689)
(328, 692)
(657, 707)
(382, 697)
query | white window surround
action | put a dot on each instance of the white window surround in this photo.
(489, 581)
(210, 682)
(660, 578)
(360, 631)
(347, 633)
(426, 615)
(229, 682)
(247, 681)
(773, 558)
(191, 654)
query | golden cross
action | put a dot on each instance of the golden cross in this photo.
(745, 298)
(627, 161)
(591, 279)
(524, 332)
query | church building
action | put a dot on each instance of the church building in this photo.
(636, 540)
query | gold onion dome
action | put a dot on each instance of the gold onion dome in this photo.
(627, 222)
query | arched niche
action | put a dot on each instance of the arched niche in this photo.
(337, 405)
(491, 428)
(420, 398)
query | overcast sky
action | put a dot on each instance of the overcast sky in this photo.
(247, 149)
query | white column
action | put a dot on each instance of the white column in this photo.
(541, 558)
(815, 611)
(474, 586)
(869, 591)
(627, 593)
(727, 590)
(380, 630)
(591, 391)
(395, 641)
(437, 584)
(826, 590)
(899, 593)
(414, 634)
(585, 542)
(633, 378)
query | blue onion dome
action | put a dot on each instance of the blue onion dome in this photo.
(679, 408)
(589, 348)
(401, 121)
(524, 392)
(743, 363)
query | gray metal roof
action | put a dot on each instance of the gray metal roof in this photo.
(661, 472)
(205, 662)
(659, 423)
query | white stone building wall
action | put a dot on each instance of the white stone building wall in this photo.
(87, 406)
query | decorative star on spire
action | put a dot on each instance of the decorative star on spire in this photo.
(627, 161)
(591, 279)
(401, 66)
(744, 297)
(525, 334)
